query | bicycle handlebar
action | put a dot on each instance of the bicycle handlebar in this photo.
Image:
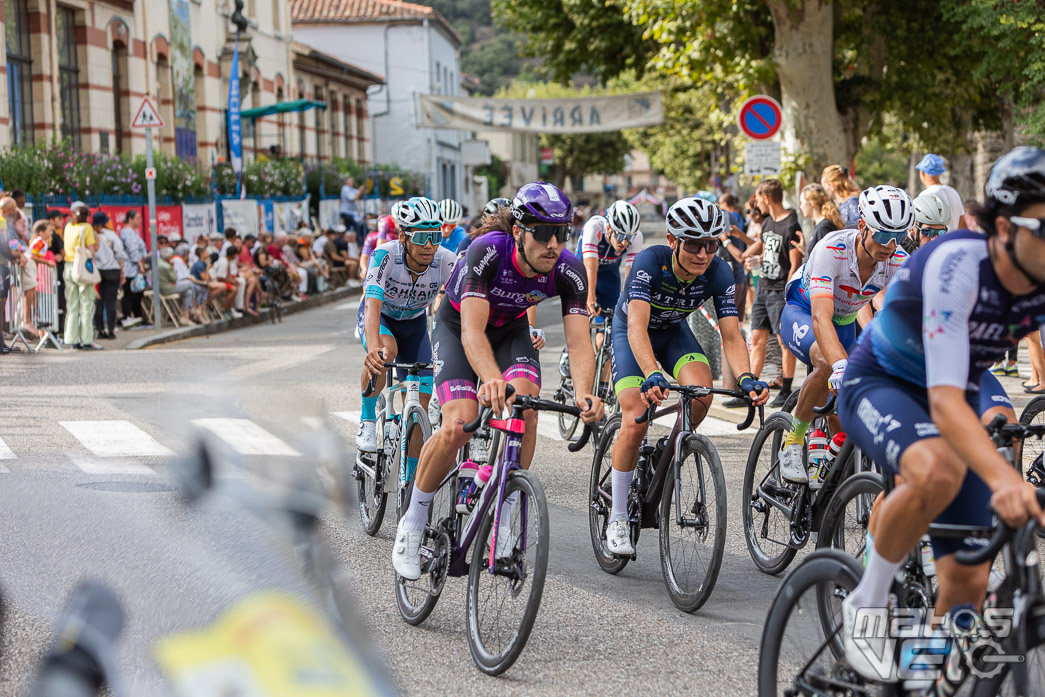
(697, 391)
(410, 368)
(829, 407)
(1002, 534)
(523, 402)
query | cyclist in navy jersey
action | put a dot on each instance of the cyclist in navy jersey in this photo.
(918, 387)
(482, 333)
(666, 284)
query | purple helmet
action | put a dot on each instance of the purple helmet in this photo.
(538, 202)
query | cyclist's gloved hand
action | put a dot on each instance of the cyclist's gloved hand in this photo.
(835, 381)
(749, 384)
(655, 388)
(537, 337)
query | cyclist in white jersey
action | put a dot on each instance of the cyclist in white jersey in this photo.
(844, 272)
(402, 280)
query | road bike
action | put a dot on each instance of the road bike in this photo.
(679, 487)
(566, 394)
(1033, 468)
(399, 436)
(1000, 654)
(780, 517)
(509, 557)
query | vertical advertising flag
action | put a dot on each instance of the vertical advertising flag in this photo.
(235, 136)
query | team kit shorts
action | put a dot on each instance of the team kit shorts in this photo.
(512, 348)
(412, 340)
(796, 328)
(673, 348)
(885, 415)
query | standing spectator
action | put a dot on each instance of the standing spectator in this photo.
(56, 220)
(728, 202)
(781, 253)
(109, 258)
(844, 192)
(815, 204)
(929, 171)
(16, 217)
(79, 297)
(349, 210)
(133, 268)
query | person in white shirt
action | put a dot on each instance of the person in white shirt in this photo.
(930, 169)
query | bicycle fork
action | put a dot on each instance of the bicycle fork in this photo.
(508, 463)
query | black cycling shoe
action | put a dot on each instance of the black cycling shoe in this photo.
(780, 398)
(734, 403)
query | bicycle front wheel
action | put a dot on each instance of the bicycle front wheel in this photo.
(999, 678)
(567, 423)
(845, 521)
(418, 431)
(600, 498)
(372, 490)
(503, 603)
(417, 599)
(693, 524)
(768, 499)
(1034, 414)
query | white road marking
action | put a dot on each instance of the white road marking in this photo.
(246, 437)
(5, 452)
(96, 465)
(351, 417)
(548, 426)
(348, 306)
(115, 439)
(718, 427)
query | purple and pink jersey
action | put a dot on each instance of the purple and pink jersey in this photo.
(489, 271)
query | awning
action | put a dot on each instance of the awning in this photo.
(282, 108)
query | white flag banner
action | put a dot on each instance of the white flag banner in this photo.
(328, 213)
(241, 214)
(197, 219)
(569, 115)
(287, 215)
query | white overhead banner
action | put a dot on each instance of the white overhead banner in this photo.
(570, 115)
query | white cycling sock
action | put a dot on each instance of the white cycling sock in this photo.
(873, 589)
(621, 483)
(416, 515)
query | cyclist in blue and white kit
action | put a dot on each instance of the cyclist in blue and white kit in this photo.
(666, 284)
(918, 389)
(402, 280)
(835, 286)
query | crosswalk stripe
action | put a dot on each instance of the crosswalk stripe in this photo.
(246, 437)
(115, 439)
(95, 465)
(351, 417)
(547, 428)
(5, 452)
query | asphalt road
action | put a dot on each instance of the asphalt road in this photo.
(87, 443)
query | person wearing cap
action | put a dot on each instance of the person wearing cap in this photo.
(79, 297)
(929, 171)
(109, 260)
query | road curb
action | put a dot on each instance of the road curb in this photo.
(245, 321)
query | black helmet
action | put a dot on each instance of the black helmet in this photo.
(1017, 179)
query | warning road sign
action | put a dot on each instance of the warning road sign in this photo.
(147, 116)
(760, 117)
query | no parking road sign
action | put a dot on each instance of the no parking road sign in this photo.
(760, 117)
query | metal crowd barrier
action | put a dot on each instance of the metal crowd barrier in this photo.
(14, 312)
(44, 311)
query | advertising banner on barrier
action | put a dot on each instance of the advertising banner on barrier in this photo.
(569, 115)
(328, 209)
(287, 215)
(241, 214)
(197, 219)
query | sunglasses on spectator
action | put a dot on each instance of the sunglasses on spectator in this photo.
(423, 237)
(698, 246)
(930, 232)
(1035, 225)
(885, 237)
(545, 233)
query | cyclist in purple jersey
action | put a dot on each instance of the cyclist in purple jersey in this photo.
(482, 333)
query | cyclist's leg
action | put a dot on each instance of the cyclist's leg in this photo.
(366, 439)
(607, 292)
(521, 365)
(689, 366)
(411, 336)
(760, 327)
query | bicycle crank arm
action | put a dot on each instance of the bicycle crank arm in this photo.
(366, 469)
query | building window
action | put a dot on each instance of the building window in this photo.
(319, 125)
(119, 86)
(19, 71)
(281, 125)
(69, 75)
(346, 119)
(360, 157)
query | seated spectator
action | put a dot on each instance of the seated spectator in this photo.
(231, 239)
(249, 275)
(200, 272)
(168, 277)
(223, 272)
(183, 285)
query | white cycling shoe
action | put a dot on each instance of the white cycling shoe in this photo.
(406, 553)
(792, 469)
(618, 538)
(869, 649)
(366, 437)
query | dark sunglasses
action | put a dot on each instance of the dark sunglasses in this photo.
(545, 233)
(885, 237)
(930, 232)
(422, 237)
(1035, 225)
(698, 246)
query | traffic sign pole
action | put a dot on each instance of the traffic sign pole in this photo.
(157, 316)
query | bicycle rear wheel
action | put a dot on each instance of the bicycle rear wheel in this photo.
(797, 657)
(1034, 413)
(600, 498)
(371, 491)
(417, 599)
(767, 499)
(999, 678)
(503, 605)
(564, 395)
(845, 521)
(693, 525)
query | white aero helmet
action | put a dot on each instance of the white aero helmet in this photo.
(887, 208)
(494, 205)
(694, 218)
(450, 210)
(930, 209)
(417, 212)
(623, 218)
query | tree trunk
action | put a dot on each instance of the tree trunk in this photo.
(559, 174)
(803, 51)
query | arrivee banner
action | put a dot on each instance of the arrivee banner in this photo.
(570, 115)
